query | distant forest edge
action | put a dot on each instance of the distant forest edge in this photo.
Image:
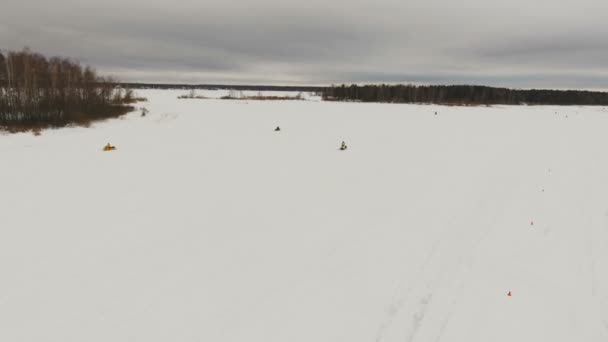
(310, 89)
(462, 95)
(38, 92)
(437, 94)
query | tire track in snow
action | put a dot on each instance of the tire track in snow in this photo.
(398, 302)
(437, 267)
(431, 268)
(419, 316)
(444, 324)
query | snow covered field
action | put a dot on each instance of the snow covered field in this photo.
(206, 225)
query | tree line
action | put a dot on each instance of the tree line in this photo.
(36, 91)
(462, 95)
(223, 87)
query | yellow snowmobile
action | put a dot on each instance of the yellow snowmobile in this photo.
(109, 147)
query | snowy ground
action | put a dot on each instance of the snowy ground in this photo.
(206, 225)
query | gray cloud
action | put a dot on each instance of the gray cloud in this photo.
(520, 43)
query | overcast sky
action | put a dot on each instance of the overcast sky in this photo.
(516, 43)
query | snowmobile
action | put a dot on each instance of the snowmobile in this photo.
(109, 147)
